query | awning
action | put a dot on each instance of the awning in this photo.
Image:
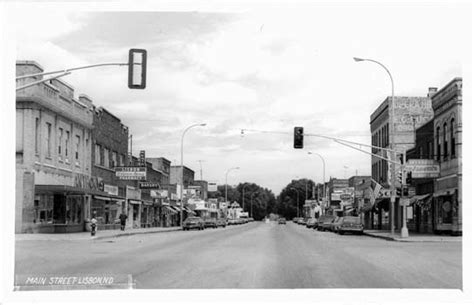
(445, 192)
(418, 198)
(102, 198)
(67, 190)
(189, 210)
(133, 201)
(169, 210)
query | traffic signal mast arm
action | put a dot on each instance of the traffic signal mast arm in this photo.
(63, 73)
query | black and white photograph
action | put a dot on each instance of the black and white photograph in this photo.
(277, 152)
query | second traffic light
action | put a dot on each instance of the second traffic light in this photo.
(137, 68)
(298, 137)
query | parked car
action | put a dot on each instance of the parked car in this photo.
(301, 221)
(231, 222)
(311, 222)
(210, 223)
(221, 222)
(282, 221)
(295, 219)
(336, 224)
(193, 223)
(351, 224)
(324, 222)
(251, 219)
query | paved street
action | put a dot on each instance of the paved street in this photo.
(254, 255)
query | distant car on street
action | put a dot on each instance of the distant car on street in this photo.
(282, 221)
(193, 223)
(351, 224)
(311, 223)
(221, 222)
(336, 224)
(210, 223)
(324, 222)
(301, 221)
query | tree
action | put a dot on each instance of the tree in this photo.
(293, 196)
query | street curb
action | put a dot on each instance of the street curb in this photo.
(135, 233)
(409, 241)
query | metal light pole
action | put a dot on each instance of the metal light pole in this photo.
(227, 173)
(391, 139)
(324, 171)
(182, 171)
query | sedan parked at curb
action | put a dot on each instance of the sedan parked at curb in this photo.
(282, 221)
(351, 224)
(324, 222)
(311, 223)
(210, 223)
(336, 224)
(221, 222)
(193, 223)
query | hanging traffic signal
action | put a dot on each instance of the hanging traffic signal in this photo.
(298, 137)
(400, 177)
(409, 178)
(399, 191)
(137, 69)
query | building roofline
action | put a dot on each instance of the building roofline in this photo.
(30, 63)
(456, 79)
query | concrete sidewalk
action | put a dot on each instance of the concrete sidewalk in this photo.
(413, 237)
(87, 235)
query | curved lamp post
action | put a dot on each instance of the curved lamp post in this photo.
(404, 231)
(324, 171)
(182, 171)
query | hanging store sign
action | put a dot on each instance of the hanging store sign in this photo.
(149, 185)
(131, 173)
(111, 189)
(422, 168)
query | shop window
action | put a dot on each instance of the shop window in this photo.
(43, 207)
(78, 145)
(74, 210)
(97, 154)
(445, 210)
(106, 158)
(60, 141)
(453, 139)
(66, 146)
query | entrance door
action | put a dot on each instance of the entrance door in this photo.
(59, 209)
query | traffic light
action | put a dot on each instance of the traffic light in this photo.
(298, 137)
(137, 69)
(399, 191)
(400, 177)
(409, 178)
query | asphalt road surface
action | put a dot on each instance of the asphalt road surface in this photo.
(254, 255)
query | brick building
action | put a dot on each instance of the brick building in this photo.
(406, 114)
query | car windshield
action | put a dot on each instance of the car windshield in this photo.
(351, 219)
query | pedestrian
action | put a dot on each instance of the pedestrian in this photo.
(123, 220)
(93, 224)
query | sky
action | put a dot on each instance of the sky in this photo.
(256, 68)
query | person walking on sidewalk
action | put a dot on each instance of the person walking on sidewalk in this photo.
(93, 224)
(123, 220)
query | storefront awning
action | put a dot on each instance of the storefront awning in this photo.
(418, 198)
(445, 192)
(167, 210)
(102, 198)
(67, 190)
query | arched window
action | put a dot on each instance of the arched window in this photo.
(453, 140)
(445, 140)
(438, 145)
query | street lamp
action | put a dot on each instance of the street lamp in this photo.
(182, 171)
(391, 134)
(297, 202)
(324, 171)
(226, 180)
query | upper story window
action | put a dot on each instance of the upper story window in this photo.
(48, 139)
(37, 136)
(453, 139)
(66, 146)
(60, 141)
(445, 140)
(114, 159)
(106, 158)
(97, 154)
(438, 145)
(78, 146)
(121, 160)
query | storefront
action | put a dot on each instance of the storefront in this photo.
(420, 217)
(107, 211)
(446, 211)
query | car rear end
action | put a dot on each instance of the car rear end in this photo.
(351, 224)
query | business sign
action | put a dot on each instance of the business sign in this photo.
(385, 193)
(111, 189)
(345, 197)
(212, 187)
(422, 168)
(131, 173)
(149, 185)
(142, 158)
(133, 193)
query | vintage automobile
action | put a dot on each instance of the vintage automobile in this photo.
(193, 223)
(311, 223)
(282, 221)
(324, 222)
(351, 224)
(210, 223)
(221, 222)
